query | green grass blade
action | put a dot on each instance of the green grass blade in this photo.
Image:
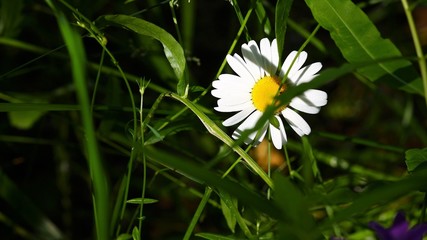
(283, 7)
(263, 17)
(37, 107)
(217, 132)
(202, 175)
(359, 41)
(173, 50)
(99, 180)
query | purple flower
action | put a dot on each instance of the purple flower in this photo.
(399, 230)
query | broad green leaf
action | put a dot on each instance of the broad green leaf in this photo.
(283, 7)
(226, 202)
(172, 49)
(360, 42)
(415, 157)
(145, 201)
(135, 234)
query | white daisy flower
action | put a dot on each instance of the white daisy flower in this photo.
(256, 85)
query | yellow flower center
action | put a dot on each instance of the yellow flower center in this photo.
(264, 93)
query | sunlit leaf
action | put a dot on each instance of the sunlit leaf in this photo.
(135, 234)
(360, 42)
(228, 206)
(172, 49)
(262, 17)
(415, 157)
(145, 201)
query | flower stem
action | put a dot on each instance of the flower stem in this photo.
(417, 45)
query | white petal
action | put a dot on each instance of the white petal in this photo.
(296, 63)
(253, 59)
(234, 99)
(306, 74)
(223, 89)
(234, 108)
(268, 65)
(274, 55)
(234, 78)
(297, 123)
(238, 117)
(278, 135)
(304, 105)
(317, 97)
(255, 137)
(239, 67)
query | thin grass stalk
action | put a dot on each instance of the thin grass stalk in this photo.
(97, 172)
(417, 45)
(198, 213)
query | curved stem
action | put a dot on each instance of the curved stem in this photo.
(417, 45)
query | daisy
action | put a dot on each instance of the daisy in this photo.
(255, 87)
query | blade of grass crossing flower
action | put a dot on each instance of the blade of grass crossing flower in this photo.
(325, 77)
(217, 132)
(99, 180)
(172, 49)
(360, 41)
(283, 7)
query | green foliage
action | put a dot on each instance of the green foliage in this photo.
(171, 47)
(415, 157)
(360, 42)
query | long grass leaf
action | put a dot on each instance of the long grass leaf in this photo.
(173, 50)
(283, 7)
(202, 175)
(217, 132)
(99, 180)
